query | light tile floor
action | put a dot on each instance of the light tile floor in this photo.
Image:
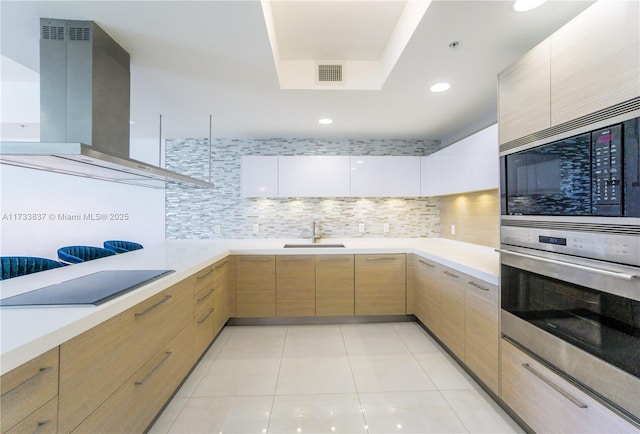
(356, 378)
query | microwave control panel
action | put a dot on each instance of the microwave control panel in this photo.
(623, 249)
(607, 163)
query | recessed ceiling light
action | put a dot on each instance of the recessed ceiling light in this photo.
(325, 121)
(526, 5)
(440, 87)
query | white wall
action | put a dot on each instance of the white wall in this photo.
(28, 193)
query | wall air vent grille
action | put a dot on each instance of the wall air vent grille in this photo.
(330, 73)
(53, 32)
(79, 34)
(599, 116)
(574, 226)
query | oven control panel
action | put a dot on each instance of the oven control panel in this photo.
(607, 171)
(624, 249)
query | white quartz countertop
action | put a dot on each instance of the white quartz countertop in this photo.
(27, 332)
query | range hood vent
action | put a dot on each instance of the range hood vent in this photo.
(84, 111)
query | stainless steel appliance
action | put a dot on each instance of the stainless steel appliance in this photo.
(84, 111)
(592, 173)
(90, 290)
(570, 257)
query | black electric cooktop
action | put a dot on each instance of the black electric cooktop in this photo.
(90, 290)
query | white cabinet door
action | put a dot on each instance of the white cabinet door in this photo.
(430, 174)
(259, 176)
(468, 165)
(481, 151)
(385, 176)
(313, 176)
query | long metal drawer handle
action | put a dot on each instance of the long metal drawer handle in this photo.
(256, 259)
(221, 265)
(426, 263)
(334, 259)
(41, 425)
(554, 386)
(472, 283)
(200, 300)
(380, 259)
(208, 315)
(155, 368)
(204, 275)
(451, 274)
(622, 276)
(295, 258)
(150, 308)
(41, 372)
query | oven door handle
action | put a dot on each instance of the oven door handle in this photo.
(615, 274)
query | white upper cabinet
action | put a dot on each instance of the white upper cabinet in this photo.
(259, 176)
(468, 165)
(385, 176)
(481, 150)
(313, 176)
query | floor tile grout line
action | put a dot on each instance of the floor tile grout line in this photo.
(275, 389)
(355, 385)
(453, 410)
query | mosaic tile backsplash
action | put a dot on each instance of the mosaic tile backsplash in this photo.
(222, 213)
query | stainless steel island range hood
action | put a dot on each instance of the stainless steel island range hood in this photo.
(84, 111)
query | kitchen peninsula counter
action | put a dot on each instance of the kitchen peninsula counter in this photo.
(28, 332)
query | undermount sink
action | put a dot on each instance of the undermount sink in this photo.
(313, 246)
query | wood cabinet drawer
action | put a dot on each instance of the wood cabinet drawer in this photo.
(42, 421)
(204, 330)
(134, 405)
(453, 301)
(256, 286)
(380, 284)
(335, 285)
(26, 388)
(94, 364)
(548, 402)
(203, 300)
(203, 279)
(295, 285)
(482, 331)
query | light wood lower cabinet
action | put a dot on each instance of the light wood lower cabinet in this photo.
(135, 403)
(380, 284)
(547, 402)
(453, 311)
(24, 392)
(482, 332)
(335, 285)
(429, 294)
(222, 296)
(203, 308)
(295, 285)
(96, 363)
(256, 286)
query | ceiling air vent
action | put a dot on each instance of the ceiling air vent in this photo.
(79, 34)
(330, 73)
(53, 32)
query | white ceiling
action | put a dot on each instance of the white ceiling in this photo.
(192, 59)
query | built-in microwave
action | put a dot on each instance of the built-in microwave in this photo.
(594, 173)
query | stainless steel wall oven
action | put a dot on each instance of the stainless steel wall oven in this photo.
(570, 256)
